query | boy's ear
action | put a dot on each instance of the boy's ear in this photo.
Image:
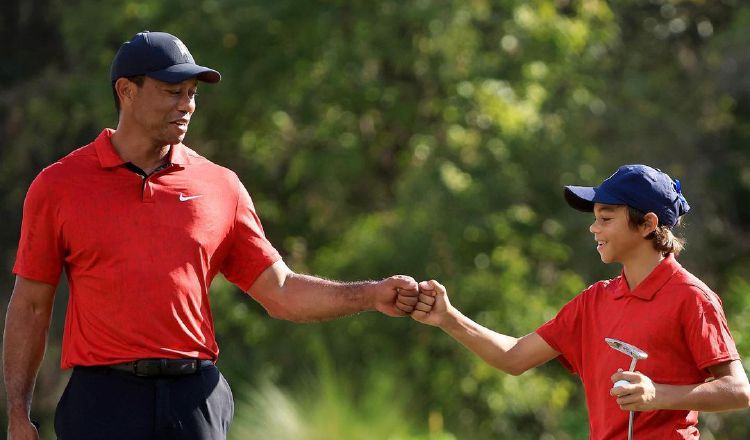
(650, 223)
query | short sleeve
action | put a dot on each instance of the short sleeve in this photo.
(40, 254)
(563, 333)
(706, 330)
(250, 252)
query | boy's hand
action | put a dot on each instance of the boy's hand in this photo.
(433, 304)
(639, 395)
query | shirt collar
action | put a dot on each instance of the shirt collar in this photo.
(108, 157)
(178, 155)
(105, 151)
(652, 283)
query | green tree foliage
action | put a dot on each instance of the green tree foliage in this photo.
(429, 138)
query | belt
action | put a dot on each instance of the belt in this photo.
(162, 367)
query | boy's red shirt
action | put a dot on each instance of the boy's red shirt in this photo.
(671, 315)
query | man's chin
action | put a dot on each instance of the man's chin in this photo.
(172, 140)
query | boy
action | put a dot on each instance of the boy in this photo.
(655, 305)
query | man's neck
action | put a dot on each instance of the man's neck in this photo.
(139, 150)
(639, 267)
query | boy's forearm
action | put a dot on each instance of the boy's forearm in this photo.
(723, 394)
(494, 348)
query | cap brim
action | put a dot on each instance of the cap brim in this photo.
(181, 72)
(583, 198)
(580, 197)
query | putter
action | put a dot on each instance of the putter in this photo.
(636, 354)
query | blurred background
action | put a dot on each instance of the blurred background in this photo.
(426, 137)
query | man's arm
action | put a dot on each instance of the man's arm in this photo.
(507, 353)
(727, 391)
(303, 298)
(24, 340)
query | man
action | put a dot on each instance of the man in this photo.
(655, 305)
(142, 224)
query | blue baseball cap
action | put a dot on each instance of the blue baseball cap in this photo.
(161, 56)
(639, 186)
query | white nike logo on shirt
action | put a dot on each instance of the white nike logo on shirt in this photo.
(184, 198)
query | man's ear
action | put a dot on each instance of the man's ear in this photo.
(650, 223)
(125, 90)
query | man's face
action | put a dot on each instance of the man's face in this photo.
(616, 241)
(163, 110)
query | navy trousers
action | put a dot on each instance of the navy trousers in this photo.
(100, 403)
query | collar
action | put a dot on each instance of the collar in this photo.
(653, 282)
(178, 155)
(105, 151)
(108, 157)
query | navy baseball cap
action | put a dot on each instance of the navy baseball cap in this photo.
(161, 56)
(639, 186)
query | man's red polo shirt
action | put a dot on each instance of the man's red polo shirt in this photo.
(139, 253)
(671, 315)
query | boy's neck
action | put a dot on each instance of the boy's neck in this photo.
(639, 267)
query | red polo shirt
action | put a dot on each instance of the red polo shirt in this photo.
(671, 315)
(139, 253)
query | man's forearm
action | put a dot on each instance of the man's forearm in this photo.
(24, 341)
(305, 298)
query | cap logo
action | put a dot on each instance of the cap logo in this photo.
(183, 50)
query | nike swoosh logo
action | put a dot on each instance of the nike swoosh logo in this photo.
(184, 198)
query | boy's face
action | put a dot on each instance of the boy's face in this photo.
(616, 241)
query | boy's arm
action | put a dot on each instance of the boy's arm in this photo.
(509, 354)
(727, 391)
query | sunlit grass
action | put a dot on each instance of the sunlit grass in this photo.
(327, 409)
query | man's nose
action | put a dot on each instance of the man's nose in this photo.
(186, 103)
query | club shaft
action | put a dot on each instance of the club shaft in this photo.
(630, 425)
(630, 416)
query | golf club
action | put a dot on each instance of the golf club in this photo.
(635, 354)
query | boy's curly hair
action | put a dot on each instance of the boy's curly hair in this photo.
(662, 237)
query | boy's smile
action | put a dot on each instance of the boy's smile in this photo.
(615, 240)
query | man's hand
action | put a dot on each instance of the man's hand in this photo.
(433, 304)
(639, 395)
(21, 428)
(396, 295)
